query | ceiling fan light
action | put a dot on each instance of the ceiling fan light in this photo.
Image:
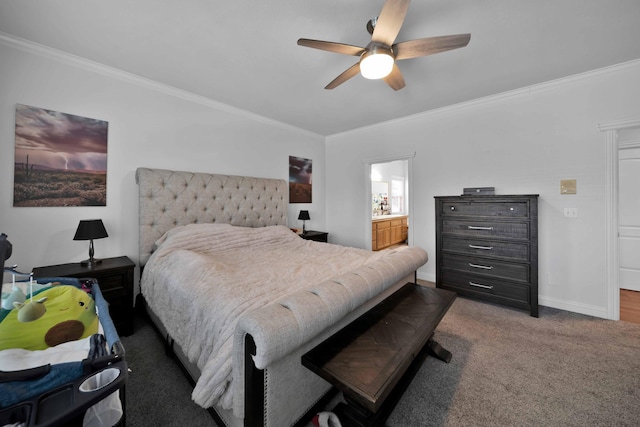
(376, 64)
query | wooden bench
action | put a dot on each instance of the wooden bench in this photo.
(373, 359)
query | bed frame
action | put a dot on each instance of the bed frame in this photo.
(172, 198)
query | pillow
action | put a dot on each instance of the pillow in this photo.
(54, 316)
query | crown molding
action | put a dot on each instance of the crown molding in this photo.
(96, 67)
(134, 79)
(527, 90)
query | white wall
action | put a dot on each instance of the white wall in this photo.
(522, 142)
(150, 126)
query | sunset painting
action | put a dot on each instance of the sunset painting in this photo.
(299, 180)
(61, 159)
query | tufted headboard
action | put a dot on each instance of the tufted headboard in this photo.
(171, 198)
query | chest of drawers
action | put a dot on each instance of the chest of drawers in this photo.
(487, 248)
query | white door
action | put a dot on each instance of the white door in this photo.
(629, 217)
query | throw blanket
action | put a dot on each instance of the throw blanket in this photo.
(203, 277)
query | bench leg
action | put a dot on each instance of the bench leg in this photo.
(352, 414)
(436, 350)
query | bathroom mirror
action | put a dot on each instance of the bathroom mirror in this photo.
(379, 197)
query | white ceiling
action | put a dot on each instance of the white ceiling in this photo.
(244, 53)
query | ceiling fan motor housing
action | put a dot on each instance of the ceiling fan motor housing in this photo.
(371, 25)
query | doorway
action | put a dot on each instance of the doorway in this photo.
(623, 219)
(388, 194)
(629, 229)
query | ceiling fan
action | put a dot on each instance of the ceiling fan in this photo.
(378, 58)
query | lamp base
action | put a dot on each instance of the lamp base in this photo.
(90, 262)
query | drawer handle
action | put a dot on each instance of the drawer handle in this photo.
(478, 285)
(453, 208)
(486, 248)
(484, 267)
(474, 227)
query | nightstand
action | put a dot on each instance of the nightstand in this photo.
(115, 277)
(318, 236)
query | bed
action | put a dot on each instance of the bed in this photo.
(239, 297)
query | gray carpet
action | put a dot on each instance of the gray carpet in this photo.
(508, 369)
(157, 392)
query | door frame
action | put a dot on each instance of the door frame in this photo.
(611, 130)
(367, 185)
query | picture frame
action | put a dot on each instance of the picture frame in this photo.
(300, 180)
(60, 159)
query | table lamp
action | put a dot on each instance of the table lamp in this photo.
(304, 216)
(90, 229)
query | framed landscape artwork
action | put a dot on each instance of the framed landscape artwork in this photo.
(299, 180)
(61, 159)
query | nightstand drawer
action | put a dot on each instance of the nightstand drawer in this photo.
(113, 285)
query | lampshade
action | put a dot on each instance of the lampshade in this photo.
(304, 216)
(376, 63)
(90, 229)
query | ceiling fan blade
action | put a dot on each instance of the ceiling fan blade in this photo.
(345, 49)
(429, 46)
(346, 75)
(395, 79)
(390, 21)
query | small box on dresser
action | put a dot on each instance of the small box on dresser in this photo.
(115, 278)
(487, 248)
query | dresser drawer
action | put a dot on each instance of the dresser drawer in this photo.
(510, 209)
(468, 284)
(506, 250)
(487, 267)
(508, 230)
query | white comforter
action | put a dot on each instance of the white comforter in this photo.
(203, 277)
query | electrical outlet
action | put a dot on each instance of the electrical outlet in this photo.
(571, 212)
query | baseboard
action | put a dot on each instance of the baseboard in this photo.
(430, 277)
(575, 307)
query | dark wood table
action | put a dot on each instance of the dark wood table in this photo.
(373, 359)
(318, 236)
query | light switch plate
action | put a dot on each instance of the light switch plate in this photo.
(568, 186)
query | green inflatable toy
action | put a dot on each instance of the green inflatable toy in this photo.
(58, 314)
